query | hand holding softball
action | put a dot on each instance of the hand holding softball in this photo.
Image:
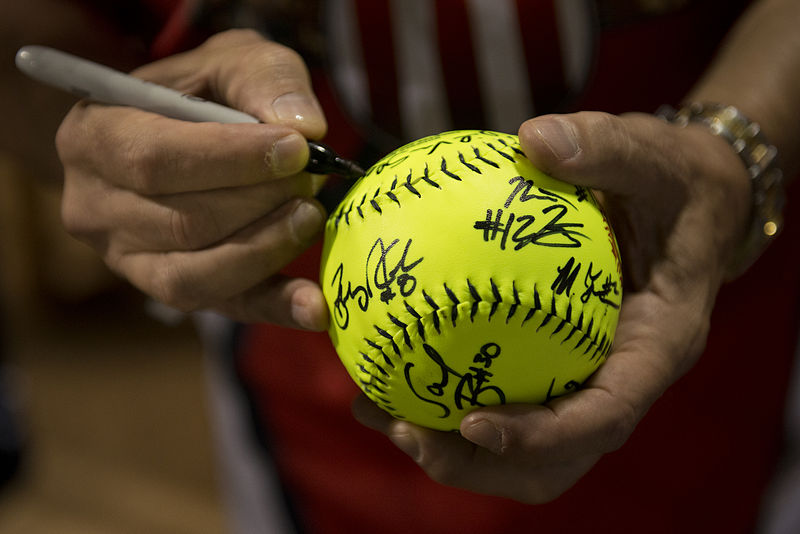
(677, 212)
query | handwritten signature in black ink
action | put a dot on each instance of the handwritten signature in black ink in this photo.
(385, 277)
(523, 188)
(604, 289)
(595, 285)
(341, 310)
(472, 388)
(553, 233)
(389, 275)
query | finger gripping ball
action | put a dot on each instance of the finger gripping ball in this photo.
(458, 276)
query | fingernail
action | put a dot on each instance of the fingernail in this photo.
(296, 107)
(485, 434)
(559, 136)
(288, 155)
(406, 443)
(306, 221)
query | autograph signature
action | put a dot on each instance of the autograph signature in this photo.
(470, 388)
(550, 228)
(596, 283)
(390, 275)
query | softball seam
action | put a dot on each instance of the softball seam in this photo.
(601, 346)
(410, 185)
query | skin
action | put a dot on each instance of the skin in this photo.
(201, 216)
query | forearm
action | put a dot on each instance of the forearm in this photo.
(758, 71)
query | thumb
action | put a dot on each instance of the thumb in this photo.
(596, 149)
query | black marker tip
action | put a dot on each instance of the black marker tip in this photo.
(323, 160)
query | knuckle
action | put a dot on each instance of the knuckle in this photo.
(609, 139)
(72, 219)
(285, 66)
(180, 230)
(194, 228)
(142, 159)
(619, 427)
(172, 287)
(64, 139)
(233, 37)
(440, 470)
(68, 131)
(75, 218)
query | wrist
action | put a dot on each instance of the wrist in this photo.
(759, 158)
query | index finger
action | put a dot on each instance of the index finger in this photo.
(152, 154)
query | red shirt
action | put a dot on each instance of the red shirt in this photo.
(700, 459)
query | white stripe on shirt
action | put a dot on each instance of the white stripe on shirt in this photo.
(421, 92)
(500, 57)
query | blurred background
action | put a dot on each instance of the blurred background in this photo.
(103, 415)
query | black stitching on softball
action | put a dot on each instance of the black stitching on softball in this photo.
(513, 308)
(380, 349)
(544, 322)
(393, 197)
(480, 157)
(470, 166)
(418, 317)
(447, 172)
(528, 316)
(583, 339)
(378, 379)
(476, 299)
(387, 335)
(501, 153)
(571, 333)
(410, 187)
(425, 176)
(403, 326)
(559, 327)
(455, 301)
(435, 307)
(497, 299)
(552, 313)
(512, 147)
(372, 362)
(371, 388)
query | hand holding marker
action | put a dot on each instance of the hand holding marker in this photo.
(93, 81)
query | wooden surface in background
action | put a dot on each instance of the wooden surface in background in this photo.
(113, 402)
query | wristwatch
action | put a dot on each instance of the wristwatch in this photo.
(761, 159)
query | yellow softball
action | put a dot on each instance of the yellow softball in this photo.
(458, 276)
